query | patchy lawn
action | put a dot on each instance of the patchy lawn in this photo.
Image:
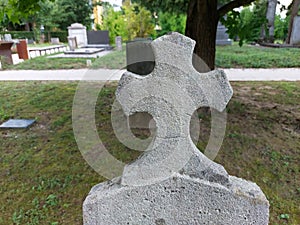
(44, 179)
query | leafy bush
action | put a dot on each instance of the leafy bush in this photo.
(62, 35)
(171, 22)
(31, 35)
(19, 34)
(133, 21)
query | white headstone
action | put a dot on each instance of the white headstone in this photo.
(79, 31)
(119, 43)
(7, 37)
(55, 41)
(173, 182)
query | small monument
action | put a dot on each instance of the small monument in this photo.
(222, 36)
(119, 43)
(79, 31)
(173, 182)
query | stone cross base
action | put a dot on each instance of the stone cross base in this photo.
(178, 200)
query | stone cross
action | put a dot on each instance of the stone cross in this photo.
(171, 94)
(173, 182)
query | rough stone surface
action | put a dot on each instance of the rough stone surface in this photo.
(179, 200)
(173, 182)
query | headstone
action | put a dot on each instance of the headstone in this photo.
(55, 41)
(119, 43)
(173, 182)
(79, 31)
(222, 36)
(99, 37)
(5, 51)
(7, 37)
(17, 123)
(295, 37)
(139, 56)
(72, 42)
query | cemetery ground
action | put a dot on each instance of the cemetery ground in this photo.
(44, 179)
(226, 57)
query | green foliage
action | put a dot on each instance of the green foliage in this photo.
(115, 23)
(15, 10)
(171, 22)
(62, 35)
(172, 6)
(281, 27)
(19, 34)
(133, 21)
(246, 24)
(67, 12)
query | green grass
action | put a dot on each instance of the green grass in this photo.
(226, 57)
(45, 63)
(44, 178)
(115, 60)
(256, 57)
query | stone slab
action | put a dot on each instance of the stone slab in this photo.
(98, 37)
(84, 51)
(17, 123)
(179, 200)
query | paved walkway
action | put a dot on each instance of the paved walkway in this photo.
(104, 74)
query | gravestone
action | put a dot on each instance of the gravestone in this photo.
(55, 41)
(222, 37)
(72, 42)
(119, 43)
(139, 56)
(295, 36)
(79, 31)
(7, 37)
(17, 123)
(99, 37)
(173, 182)
(5, 51)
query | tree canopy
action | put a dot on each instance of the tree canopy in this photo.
(202, 20)
(15, 10)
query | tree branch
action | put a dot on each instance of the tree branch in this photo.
(231, 5)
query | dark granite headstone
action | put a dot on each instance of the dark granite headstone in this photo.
(99, 37)
(20, 123)
(222, 36)
(140, 56)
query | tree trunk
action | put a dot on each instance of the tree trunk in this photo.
(201, 26)
(271, 12)
(294, 12)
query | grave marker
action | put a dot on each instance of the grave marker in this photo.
(173, 182)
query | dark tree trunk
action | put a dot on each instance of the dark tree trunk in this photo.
(201, 26)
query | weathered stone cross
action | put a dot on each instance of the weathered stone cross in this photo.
(173, 182)
(171, 94)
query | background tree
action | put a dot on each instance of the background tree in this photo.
(15, 10)
(271, 12)
(168, 21)
(249, 24)
(131, 22)
(294, 12)
(202, 20)
(69, 11)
